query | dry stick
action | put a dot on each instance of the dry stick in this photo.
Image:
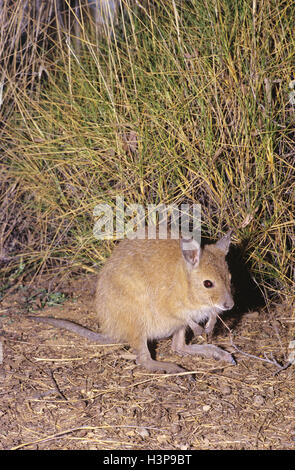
(265, 359)
(56, 386)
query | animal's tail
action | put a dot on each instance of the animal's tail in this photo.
(75, 328)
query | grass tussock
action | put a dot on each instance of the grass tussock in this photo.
(179, 101)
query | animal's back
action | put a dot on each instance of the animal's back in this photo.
(139, 288)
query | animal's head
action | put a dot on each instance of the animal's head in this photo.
(209, 276)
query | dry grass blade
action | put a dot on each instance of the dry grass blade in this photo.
(172, 103)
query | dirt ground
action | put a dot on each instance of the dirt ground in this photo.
(59, 391)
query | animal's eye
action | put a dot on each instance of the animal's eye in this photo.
(208, 284)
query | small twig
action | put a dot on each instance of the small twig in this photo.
(272, 361)
(283, 367)
(56, 386)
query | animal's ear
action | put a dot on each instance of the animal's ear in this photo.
(191, 251)
(224, 242)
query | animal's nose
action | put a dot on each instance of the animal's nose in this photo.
(228, 305)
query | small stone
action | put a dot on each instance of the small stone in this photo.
(206, 408)
(258, 400)
(162, 438)
(143, 432)
(206, 441)
(184, 447)
(271, 391)
(225, 389)
(176, 429)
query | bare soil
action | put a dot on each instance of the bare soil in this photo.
(59, 391)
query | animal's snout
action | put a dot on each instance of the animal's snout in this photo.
(228, 305)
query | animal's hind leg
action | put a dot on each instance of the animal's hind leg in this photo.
(144, 359)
